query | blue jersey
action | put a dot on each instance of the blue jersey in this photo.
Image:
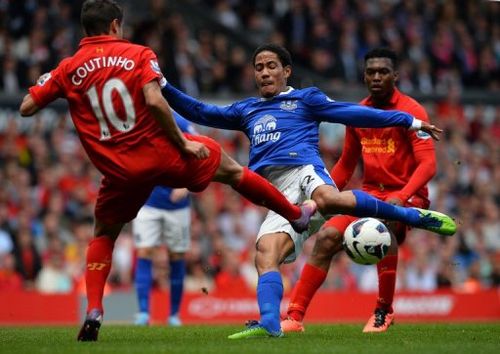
(160, 197)
(283, 130)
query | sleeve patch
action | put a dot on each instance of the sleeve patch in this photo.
(156, 68)
(42, 80)
(422, 135)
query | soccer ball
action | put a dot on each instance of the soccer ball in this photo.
(366, 241)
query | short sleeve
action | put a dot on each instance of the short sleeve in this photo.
(151, 69)
(48, 88)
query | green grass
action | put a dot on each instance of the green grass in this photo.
(121, 339)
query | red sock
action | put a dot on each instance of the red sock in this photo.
(259, 191)
(310, 280)
(99, 256)
(387, 281)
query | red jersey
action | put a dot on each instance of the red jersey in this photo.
(390, 156)
(103, 84)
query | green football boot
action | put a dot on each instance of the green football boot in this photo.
(436, 222)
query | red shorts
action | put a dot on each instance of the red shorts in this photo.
(340, 222)
(119, 202)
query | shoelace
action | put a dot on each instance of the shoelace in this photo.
(380, 317)
(430, 220)
(251, 323)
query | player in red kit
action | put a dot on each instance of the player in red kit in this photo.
(127, 129)
(397, 165)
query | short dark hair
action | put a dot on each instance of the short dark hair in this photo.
(383, 53)
(97, 15)
(283, 54)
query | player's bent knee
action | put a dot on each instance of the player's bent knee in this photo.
(110, 230)
(329, 241)
(329, 200)
(229, 171)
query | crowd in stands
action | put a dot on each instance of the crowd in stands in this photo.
(48, 186)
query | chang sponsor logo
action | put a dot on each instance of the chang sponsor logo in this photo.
(265, 130)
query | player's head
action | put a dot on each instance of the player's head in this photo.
(100, 17)
(272, 67)
(381, 73)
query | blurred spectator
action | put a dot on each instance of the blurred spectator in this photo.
(197, 280)
(10, 279)
(54, 277)
(28, 260)
(238, 221)
(229, 279)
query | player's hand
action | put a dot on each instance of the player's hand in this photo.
(432, 130)
(395, 199)
(178, 194)
(197, 149)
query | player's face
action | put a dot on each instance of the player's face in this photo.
(270, 75)
(380, 77)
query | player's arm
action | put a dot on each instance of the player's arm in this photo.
(344, 168)
(425, 170)
(198, 112)
(355, 115)
(425, 157)
(46, 90)
(161, 111)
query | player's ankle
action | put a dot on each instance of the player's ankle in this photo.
(296, 315)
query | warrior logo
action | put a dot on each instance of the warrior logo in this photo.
(264, 130)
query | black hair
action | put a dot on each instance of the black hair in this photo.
(97, 15)
(283, 54)
(383, 53)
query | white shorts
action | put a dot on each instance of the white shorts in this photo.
(154, 227)
(297, 183)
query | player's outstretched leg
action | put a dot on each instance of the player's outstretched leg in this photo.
(261, 192)
(307, 209)
(436, 222)
(90, 328)
(366, 205)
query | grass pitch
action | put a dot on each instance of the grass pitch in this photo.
(344, 339)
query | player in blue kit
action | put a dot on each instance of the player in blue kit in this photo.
(282, 126)
(165, 218)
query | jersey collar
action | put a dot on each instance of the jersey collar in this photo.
(392, 101)
(288, 90)
(100, 39)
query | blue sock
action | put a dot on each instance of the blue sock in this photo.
(143, 283)
(177, 273)
(366, 205)
(269, 295)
